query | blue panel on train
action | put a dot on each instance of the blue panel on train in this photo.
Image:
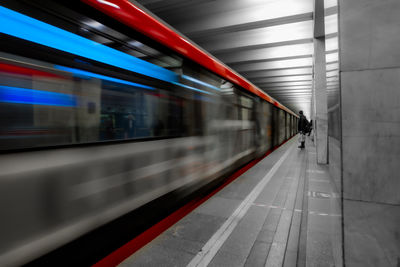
(10, 94)
(85, 74)
(27, 28)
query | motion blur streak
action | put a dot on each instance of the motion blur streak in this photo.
(25, 71)
(85, 74)
(200, 82)
(93, 144)
(10, 94)
(24, 27)
(192, 88)
(108, 3)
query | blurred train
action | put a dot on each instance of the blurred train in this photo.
(104, 109)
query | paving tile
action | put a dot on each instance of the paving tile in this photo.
(282, 231)
(266, 236)
(270, 191)
(320, 205)
(320, 232)
(272, 220)
(319, 249)
(255, 217)
(290, 258)
(226, 259)
(158, 256)
(219, 206)
(258, 254)
(196, 227)
(276, 255)
(240, 242)
(181, 244)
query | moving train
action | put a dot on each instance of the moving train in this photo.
(103, 109)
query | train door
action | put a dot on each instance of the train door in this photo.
(275, 126)
(267, 114)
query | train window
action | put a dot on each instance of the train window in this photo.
(68, 76)
(245, 105)
(42, 108)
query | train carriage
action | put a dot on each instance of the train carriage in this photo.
(104, 109)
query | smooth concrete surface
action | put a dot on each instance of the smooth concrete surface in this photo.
(369, 34)
(335, 162)
(370, 76)
(270, 233)
(370, 69)
(321, 104)
(371, 135)
(372, 234)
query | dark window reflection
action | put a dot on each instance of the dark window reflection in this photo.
(46, 110)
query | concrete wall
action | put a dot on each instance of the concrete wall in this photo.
(370, 93)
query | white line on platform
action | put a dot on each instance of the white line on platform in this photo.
(316, 171)
(210, 249)
(318, 180)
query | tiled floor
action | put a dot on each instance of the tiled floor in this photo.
(293, 219)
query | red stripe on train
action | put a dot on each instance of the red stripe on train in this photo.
(26, 71)
(134, 17)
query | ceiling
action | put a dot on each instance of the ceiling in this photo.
(269, 42)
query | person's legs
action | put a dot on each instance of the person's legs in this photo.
(302, 140)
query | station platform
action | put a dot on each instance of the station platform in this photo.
(284, 211)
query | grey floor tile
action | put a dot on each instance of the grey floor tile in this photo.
(266, 236)
(258, 254)
(272, 220)
(255, 217)
(276, 255)
(240, 242)
(196, 227)
(159, 256)
(219, 206)
(319, 205)
(290, 258)
(226, 259)
(181, 244)
(319, 249)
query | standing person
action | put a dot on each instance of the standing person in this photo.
(129, 126)
(109, 127)
(310, 128)
(302, 127)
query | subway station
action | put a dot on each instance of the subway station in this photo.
(200, 133)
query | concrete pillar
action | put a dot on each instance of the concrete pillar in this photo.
(321, 109)
(320, 104)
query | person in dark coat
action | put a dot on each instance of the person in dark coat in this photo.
(302, 128)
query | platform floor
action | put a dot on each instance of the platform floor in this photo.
(284, 211)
